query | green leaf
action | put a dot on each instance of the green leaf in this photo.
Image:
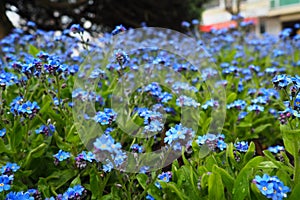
(261, 128)
(155, 192)
(185, 161)
(229, 154)
(267, 165)
(202, 117)
(17, 135)
(175, 166)
(107, 197)
(142, 179)
(244, 125)
(3, 147)
(188, 181)
(59, 178)
(278, 164)
(60, 142)
(206, 125)
(202, 170)
(231, 97)
(241, 185)
(95, 184)
(262, 120)
(215, 186)
(35, 153)
(173, 187)
(256, 192)
(204, 151)
(76, 181)
(210, 162)
(295, 193)
(46, 104)
(180, 177)
(204, 181)
(284, 176)
(43, 187)
(226, 178)
(116, 193)
(290, 139)
(195, 146)
(33, 50)
(249, 154)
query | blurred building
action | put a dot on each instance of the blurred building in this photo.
(268, 15)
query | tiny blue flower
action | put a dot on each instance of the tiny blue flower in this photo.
(137, 148)
(185, 24)
(144, 169)
(177, 132)
(149, 197)
(165, 176)
(238, 104)
(104, 143)
(9, 167)
(242, 115)
(76, 28)
(186, 101)
(108, 167)
(5, 182)
(118, 29)
(221, 145)
(281, 81)
(2, 132)
(62, 155)
(242, 146)
(276, 149)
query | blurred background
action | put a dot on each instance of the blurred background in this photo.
(98, 15)
(103, 15)
(269, 16)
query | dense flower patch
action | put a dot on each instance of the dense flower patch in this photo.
(45, 156)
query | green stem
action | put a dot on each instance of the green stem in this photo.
(148, 186)
(119, 175)
(296, 163)
(26, 136)
(58, 92)
(26, 88)
(71, 130)
(129, 190)
(42, 120)
(59, 97)
(290, 124)
(104, 183)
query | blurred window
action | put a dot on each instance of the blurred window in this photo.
(262, 27)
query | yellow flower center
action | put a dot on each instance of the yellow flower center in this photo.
(1, 184)
(265, 188)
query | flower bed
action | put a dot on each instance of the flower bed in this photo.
(149, 114)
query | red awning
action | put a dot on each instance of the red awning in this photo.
(228, 24)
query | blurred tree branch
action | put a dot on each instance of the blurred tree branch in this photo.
(105, 14)
(233, 6)
(5, 25)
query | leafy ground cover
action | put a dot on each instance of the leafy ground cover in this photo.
(225, 130)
